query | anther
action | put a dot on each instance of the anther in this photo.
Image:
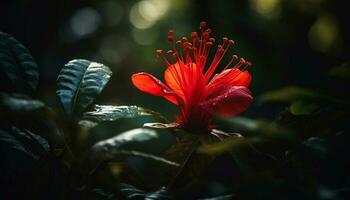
(159, 52)
(202, 25)
(170, 35)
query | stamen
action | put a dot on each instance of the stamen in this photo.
(234, 57)
(161, 55)
(247, 64)
(202, 25)
(171, 36)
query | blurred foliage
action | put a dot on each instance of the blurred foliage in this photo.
(291, 144)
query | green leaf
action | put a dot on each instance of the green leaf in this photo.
(17, 103)
(161, 125)
(79, 83)
(317, 145)
(130, 192)
(112, 113)
(224, 146)
(31, 114)
(256, 127)
(303, 108)
(290, 94)
(192, 163)
(341, 71)
(223, 197)
(134, 135)
(18, 70)
(111, 148)
(25, 168)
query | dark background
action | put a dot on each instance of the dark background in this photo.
(289, 42)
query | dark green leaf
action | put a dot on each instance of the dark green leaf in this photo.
(224, 146)
(17, 103)
(289, 94)
(24, 164)
(223, 197)
(135, 135)
(293, 94)
(132, 193)
(159, 194)
(100, 194)
(80, 82)
(23, 112)
(253, 127)
(110, 149)
(192, 163)
(303, 108)
(18, 70)
(316, 145)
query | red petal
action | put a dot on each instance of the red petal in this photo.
(174, 78)
(229, 77)
(180, 77)
(150, 84)
(230, 102)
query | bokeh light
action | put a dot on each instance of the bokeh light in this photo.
(144, 14)
(324, 33)
(268, 9)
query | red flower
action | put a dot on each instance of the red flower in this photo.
(190, 82)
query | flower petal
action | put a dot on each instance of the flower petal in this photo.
(151, 85)
(180, 77)
(230, 102)
(174, 78)
(228, 77)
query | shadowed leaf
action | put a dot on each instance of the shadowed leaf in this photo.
(111, 148)
(224, 146)
(18, 70)
(34, 115)
(253, 127)
(303, 108)
(16, 103)
(223, 197)
(79, 83)
(289, 94)
(130, 193)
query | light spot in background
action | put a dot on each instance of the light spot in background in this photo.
(112, 12)
(153, 9)
(114, 48)
(83, 23)
(145, 13)
(267, 9)
(324, 34)
(145, 36)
